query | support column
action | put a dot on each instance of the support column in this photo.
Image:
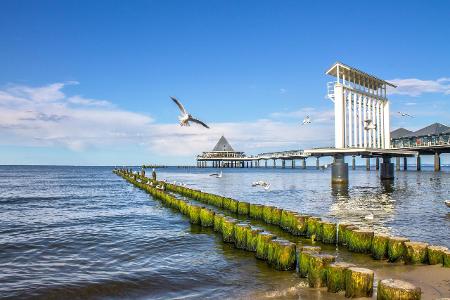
(339, 171)
(251, 164)
(437, 162)
(377, 163)
(317, 163)
(293, 164)
(304, 163)
(368, 164)
(274, 163)
(397, 163)
(418, 163)
(405, 163)
(283, 163)
(387, 169)
(353, 162)
(339, 116)
(265, 163)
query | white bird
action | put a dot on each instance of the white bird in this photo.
(217, 175)
(267, 186)
(369, 217)
(369, 125)
(324, 167)
(306, 120)
(185, 117)
(404, 114)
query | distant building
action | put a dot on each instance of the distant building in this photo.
(223, 155)
(433, 135)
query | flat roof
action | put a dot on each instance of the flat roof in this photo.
(354, 75)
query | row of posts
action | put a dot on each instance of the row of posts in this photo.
(257, 163)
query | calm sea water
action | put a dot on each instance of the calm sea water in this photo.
(83, 232)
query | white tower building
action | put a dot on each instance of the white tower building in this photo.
(361, 108)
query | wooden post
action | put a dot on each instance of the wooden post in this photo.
(317, 163)
(304, 163)
(437, 162)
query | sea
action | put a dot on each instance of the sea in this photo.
(69, 232)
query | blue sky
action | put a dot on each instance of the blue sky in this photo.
(88, 82)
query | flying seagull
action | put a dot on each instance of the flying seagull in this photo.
(404, 114)
(185, 117)
(306, 120)
(369, 125)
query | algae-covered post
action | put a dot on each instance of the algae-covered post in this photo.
(396, 248)
(317, 271)
(358, 282)
(391, 289)
(336, 276)
(262, 244)
(416, 252)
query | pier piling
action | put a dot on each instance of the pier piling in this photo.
(368, 164)
(387, 168)
(437, 162)
(339, 170)
(418, 163)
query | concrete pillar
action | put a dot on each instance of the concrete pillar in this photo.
(274, 163)
(265, 163)
(339, 171)
(397, 163)
(353, 162)
(251, 164)
(368, 164)
(377, 163)
(387, 169)
(304, 163)
(405, 163)
(437, 162)
(317, 163)
(283, 163)
(418, 163)
(247, 164)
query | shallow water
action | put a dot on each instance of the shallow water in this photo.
(83, 232)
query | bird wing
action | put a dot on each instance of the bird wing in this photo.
(180, 106)
(198, 122)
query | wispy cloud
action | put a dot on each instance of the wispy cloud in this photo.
(283, 91)
(415, 87)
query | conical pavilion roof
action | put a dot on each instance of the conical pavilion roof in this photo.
(223, 145)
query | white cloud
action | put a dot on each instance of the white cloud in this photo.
(87, 101)
(46, 116)
(415, 87)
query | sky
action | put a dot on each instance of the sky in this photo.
(88, 82)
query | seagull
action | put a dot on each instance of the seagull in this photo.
(217, 175)
(185, 117)
(369, 125)
(306, 120)
(369, 217)
(404, 114)
(324, 167)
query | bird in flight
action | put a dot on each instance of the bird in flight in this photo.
(369, 125)
(185, 117)
(306, 120)
(404, 114)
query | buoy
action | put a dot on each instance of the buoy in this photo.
(393, 289)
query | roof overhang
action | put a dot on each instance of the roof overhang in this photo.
(355, 75)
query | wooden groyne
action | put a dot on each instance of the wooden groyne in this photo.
(284, 255)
